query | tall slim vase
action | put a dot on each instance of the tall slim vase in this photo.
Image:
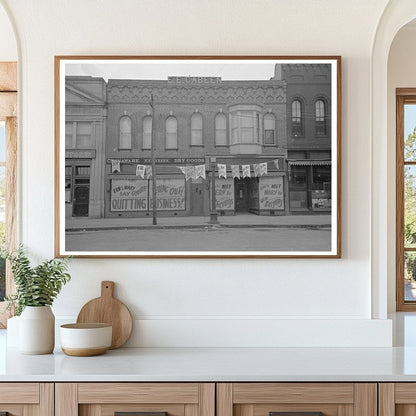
(37, 330)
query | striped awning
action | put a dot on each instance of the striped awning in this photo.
(309, 162)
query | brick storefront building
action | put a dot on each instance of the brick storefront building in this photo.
(281, 124)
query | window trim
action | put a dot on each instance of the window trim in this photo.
(324, 122)
(8, 105)
(301, 117)
(147, 117)
(126, 149)
(193, 129)
(274, 144)
(224, 116)
(166, 132)
(403, 96)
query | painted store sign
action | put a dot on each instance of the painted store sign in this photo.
(224, 194)
(128, 195)
(271, 193)
(132, 195)
(170, 195)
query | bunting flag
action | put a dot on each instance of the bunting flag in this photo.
(115, 166)
(190, 173)
(148, 171)
(256, 168)
(246, 171)
(200, 171)
(140, 170)
(235, 171)
(263, 168)
(182, 169)
(276, 163)
(222, 171)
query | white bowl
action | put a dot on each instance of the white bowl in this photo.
(84, 340)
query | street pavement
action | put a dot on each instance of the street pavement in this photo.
(226, 221)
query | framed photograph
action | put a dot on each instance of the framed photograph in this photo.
(197, 156)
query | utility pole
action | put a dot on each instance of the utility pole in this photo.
(152, 104)
(213, 212)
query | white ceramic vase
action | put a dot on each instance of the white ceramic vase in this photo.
(37, 330)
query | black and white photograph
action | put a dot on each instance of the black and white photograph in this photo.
(198, 156)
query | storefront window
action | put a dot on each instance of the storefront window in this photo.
(68, 183)
(321, 177)
(298, 188)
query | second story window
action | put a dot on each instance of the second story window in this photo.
(125, 133)
(220, 130)
(83, 138)
(320, 118)
(269, 129)
(196, 130)
(171, 133)
(147, 132)
(297, 128)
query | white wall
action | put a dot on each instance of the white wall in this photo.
(8, 46)
(212, 302)
(401, 74)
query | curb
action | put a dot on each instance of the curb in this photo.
(198, 226)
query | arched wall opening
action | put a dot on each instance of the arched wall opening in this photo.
(386, 75)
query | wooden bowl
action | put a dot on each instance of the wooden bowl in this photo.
(84, 340)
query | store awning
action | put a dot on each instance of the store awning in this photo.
(309, 162)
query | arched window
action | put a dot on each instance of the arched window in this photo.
(147, 132)
(297, 127)
(196, 130)
(125, 133)
(320, 119)
(269, 124)
(220, 130)
(171, 133)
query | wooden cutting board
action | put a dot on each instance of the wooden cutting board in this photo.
(108, 310)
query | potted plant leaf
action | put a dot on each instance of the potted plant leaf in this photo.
(36, 289)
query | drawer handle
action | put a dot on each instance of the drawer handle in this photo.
(295, 413)
(139, 414)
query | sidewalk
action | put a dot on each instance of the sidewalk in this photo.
(229, 221)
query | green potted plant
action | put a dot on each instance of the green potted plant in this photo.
(36, 289)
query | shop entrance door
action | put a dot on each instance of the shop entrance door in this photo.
(241, 195)
(81, 201)
(197, 198)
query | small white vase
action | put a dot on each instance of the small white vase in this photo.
(37, 330)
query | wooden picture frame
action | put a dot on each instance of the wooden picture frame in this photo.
(245, 151)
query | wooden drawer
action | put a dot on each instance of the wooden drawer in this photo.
(262, 399)
(397, 399)
(27, 399)
(105, 399)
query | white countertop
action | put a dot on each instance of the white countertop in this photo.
(215, 364)
(221, 364)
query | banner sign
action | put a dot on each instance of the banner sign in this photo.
(128, 195)
(80, 154)
(158, 160)
(170, 195)
(224, 194)
(271, 193)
